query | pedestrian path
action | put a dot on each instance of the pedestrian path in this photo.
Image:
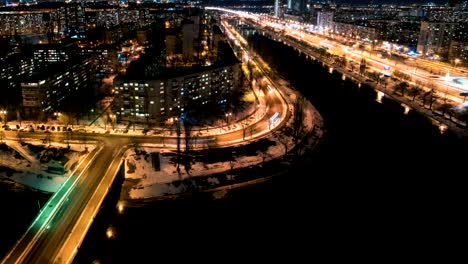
(16, 145)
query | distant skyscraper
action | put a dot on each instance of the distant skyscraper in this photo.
(278, 8)
(299, 6)
(324, 20)
(454, 3)
(188, 36)
(435, 38)
(464, 5)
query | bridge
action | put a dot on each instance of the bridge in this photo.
(56, 233)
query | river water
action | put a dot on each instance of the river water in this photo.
(378, 173)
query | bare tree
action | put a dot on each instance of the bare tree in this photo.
(351, 64)
(18, 116)
(48, 139)
(69, 136)
(244, 129)
(178, 138)
(362, 66)
(463, 115)
(298, 118)
(445, 108)
(283, 136)
(414, 91)
(430, 97)
(432, 100)
(252, 129)
(19, 136)
(401, 88)
(188, 145)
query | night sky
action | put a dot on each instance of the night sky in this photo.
(392, 1)
(359, 2)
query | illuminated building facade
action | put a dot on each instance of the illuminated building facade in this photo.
(434, 38)
(157, 100)
(49, 91)
(324, 20)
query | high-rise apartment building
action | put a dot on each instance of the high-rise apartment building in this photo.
(324, 20)
(156, 99)
(278, 8)
(297, 6)
(187, 38)
(459, 46)
(49, 91)
(435, 38)
(454, 3)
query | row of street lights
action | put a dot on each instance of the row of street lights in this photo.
(4, 113)
(57, 116)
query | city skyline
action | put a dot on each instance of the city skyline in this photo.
(439, 2)
(123, 124)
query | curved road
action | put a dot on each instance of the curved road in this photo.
(63, 222)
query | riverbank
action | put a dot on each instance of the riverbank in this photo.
(217, 169)
(434, 105)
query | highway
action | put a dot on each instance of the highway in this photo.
(57, 232)
(52, 228)
(447, 79)
(40, 230)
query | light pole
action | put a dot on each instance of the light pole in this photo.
(57, 116)
(447, 76)
(4, 114)
(227, 118)
(455, 62)
(106, 120)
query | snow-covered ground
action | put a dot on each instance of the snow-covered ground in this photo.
(21, 163)
(152, 183)
(252, 113)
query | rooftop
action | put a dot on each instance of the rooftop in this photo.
(137, 68)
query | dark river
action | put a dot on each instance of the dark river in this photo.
(377, 174)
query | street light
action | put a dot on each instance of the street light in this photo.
(447, 78)
(227, 117)
(4, 114)
(456, 61)
(57, 115)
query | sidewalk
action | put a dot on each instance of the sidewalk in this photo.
(251, 115)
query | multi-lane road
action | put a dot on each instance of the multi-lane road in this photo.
(58, 230)
(449, 80)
